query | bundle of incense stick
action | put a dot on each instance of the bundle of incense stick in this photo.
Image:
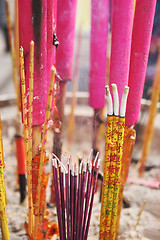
(74, 196)
(33, 222)
(112, 165)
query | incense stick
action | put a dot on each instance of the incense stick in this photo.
(78, 192)
(91, 202)
(44, 138)
(3, 215)
(28, 163)
(57, 196)
(62, 202)
(83, 197)
(75, 202)
(139, 216)
(30, 132)
(89, 185)
(72, 201)
(67, 202)
(78, 201)
(148, 134)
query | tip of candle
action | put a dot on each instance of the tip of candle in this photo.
(114, 86)
(126, 88)
(116, 99)
(32, 42)
(107, 90)
(124, 101)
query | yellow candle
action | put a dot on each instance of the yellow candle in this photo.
(111, 178)
(106, 176)
(119, 151)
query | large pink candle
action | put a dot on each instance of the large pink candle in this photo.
(142, 31)
(122, 21)
(98, 52)
(33, 24)
(66, 16)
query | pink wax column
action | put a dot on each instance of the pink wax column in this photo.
(98, 52)
(33, 26)
(66, 16)
(122, 21)
(142, 31)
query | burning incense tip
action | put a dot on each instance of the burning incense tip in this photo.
(32, 42)
(53, 69)
(21, 51)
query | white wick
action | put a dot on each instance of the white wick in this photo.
(109, 100)
(115, 99)
(124, 101)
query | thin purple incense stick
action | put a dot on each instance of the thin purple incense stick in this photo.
(72, 201)
(89, 157)
(89, 185)
(63, 203)
(67, 202)
(75, 203)
(71, 183)
(78, 200)
(82, 198)
(91, 202)
(58, 200)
